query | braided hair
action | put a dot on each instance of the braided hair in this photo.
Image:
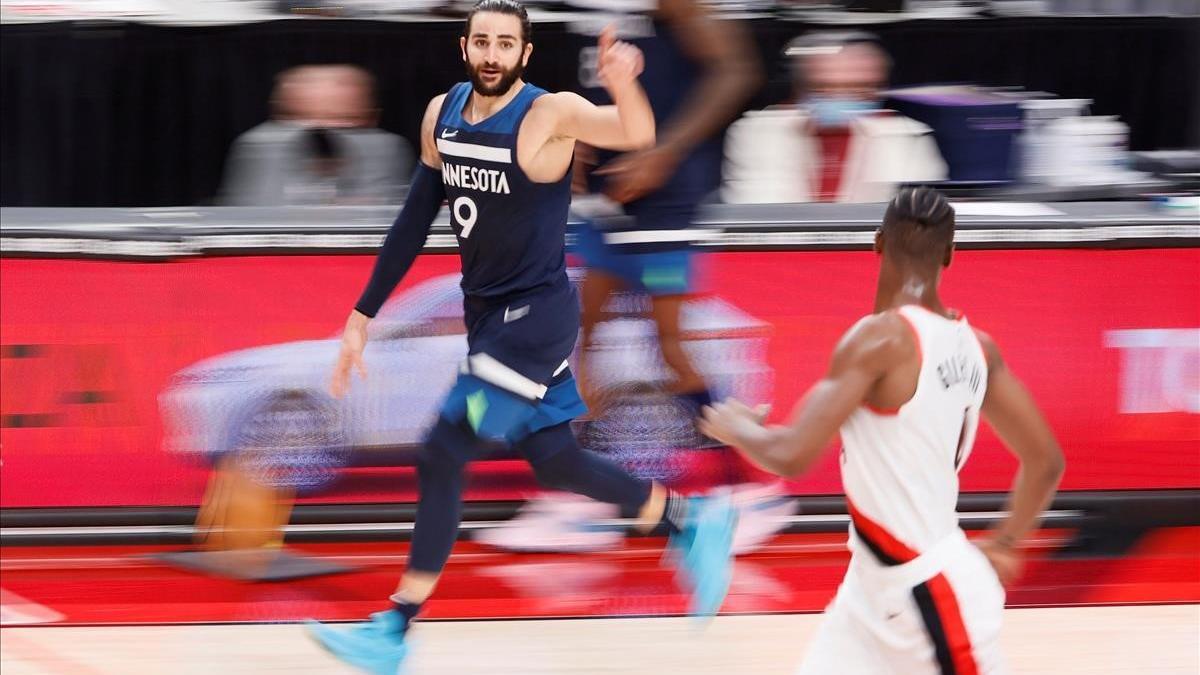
(919, 225)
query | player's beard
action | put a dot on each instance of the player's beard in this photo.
(507, 78)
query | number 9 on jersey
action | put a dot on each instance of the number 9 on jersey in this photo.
(465, 212)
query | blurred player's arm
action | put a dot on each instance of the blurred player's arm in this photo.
(1012, 413)
(407, 235)
(863, 356)
(627, 125)
(732, 73)
(403, 243)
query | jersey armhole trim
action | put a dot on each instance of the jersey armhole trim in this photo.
(450, 95)
(885, 412)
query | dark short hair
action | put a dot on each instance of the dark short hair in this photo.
(797, 51)
(919, 225)
(510, 7)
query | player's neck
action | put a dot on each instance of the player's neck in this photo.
(901, 285)
(481, 107)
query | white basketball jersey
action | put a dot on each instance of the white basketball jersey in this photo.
(900, 467)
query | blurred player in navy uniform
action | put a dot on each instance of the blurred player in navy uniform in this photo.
(699, 74)
(637, 236)
(499, 151)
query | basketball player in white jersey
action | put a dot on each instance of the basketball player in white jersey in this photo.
(905, 389)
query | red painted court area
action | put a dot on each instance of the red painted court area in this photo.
(794, 573)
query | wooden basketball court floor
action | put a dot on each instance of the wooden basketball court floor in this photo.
(1065, 641)
(120, 611)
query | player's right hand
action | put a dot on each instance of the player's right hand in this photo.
(731, 421)
(617, 63)
(354, 341)
(1006, 561)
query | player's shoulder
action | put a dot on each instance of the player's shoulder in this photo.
(882, 337)
(552, 109)
(557, 101)
(429, 152)
(884, 324)
(432, 112)
(991, 351)
(435, 104)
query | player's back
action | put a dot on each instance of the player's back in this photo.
(900, 467)
(511, 230)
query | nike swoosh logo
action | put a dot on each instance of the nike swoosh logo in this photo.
(446, 133)
(511, 314)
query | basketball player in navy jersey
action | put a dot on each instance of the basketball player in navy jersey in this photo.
(905, 390)
(498, 150)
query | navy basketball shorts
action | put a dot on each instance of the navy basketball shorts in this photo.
(640, 258)
(516, 379)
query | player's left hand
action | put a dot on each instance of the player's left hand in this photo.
(618, 63)
(635, 174)
(731, 421)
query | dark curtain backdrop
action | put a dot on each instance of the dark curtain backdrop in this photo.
(116, 114)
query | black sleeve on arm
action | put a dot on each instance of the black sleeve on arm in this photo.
(406, 238)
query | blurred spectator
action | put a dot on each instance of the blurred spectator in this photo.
(321, 145)
(833, 143)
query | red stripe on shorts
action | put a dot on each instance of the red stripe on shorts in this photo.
(957, 639)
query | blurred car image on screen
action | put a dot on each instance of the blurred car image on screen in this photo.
(269, 406)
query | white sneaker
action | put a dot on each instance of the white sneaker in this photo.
(566, 523)
(763, 510)
(558, 524)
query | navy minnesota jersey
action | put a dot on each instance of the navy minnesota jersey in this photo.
(511, 231)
